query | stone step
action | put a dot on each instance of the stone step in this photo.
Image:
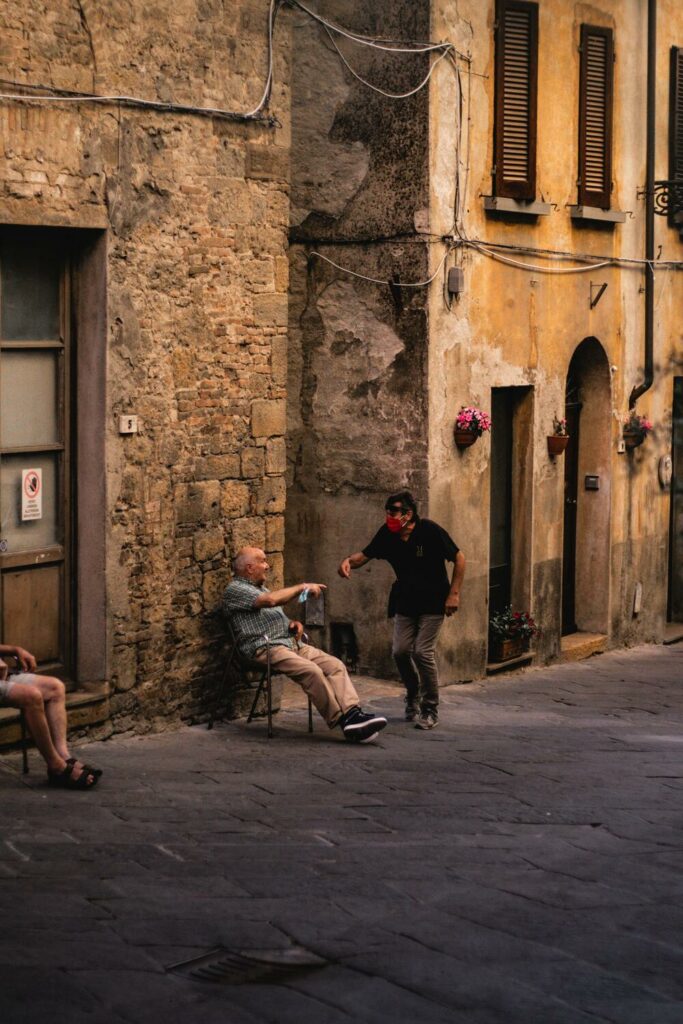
(494, 668)
(84, 708)
(577, 646)
(673, 633)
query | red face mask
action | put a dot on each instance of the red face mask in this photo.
(394, 523)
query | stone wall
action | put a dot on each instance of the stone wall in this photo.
(195, 210)
(357, 410)
(376, 380)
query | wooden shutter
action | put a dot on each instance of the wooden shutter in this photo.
(595, 116)
(514, 173)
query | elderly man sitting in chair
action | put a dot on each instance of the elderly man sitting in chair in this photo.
(256, 616)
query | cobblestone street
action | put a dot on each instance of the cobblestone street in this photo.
(521, 863)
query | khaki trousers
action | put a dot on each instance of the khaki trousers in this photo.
(323, 678)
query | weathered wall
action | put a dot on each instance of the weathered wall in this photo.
(350, 440)
(196, 214)
(514, 327)
(357, 406)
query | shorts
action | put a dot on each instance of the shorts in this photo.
(21, 678)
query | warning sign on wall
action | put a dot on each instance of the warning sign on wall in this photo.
(31, 494)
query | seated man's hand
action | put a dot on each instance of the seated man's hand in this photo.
(4, 669)
(296, 629)
(315, 589)
(344, 569)
(26, 659)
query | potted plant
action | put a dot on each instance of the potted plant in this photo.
(510, 634)
(470, 423)
(559, 439)
(636, 429)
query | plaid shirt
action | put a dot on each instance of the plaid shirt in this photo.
(250, 624)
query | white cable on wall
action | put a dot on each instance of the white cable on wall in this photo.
(378, 280)
(376, 88)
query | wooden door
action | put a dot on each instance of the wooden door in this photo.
(571, 493)
(500, 541)
(35, 523)
(675, 603)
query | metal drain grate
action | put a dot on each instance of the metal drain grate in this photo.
(243, 966)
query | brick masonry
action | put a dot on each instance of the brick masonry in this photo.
(196, 214)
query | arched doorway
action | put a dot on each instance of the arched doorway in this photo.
(586, 542)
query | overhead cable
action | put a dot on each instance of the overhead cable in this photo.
(379, 280)
(592, 260)
(376, 88)
(50, 94)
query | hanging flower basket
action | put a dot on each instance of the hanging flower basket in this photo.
(464, 438)
(557, 443)
(470, 423)
(636, 429)
(633, 438)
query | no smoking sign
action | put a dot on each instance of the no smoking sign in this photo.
(31, 494)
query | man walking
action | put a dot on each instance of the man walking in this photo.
(417, 550)
(258, 622)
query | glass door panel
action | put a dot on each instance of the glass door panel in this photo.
(29, 397)
(31, 285)
(18, 500)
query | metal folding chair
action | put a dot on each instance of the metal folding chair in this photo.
(23, 743)
(244, 666)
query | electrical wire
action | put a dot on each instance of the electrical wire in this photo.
(378, 280)
(272, 15)
(536, 269)
(49, 94)
(67, 96)
(376, 88)
(594, 260)
(137, 102)
(373, 41)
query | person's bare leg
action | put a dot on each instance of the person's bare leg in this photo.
(55, 711)
(29, 699)
(45, 711)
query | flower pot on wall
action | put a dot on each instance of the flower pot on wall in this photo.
(464, 438)
(633, 438)
(557, 443)
(504, 650)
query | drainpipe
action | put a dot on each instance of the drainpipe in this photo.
(640, 389)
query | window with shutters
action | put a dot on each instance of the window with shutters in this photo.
(514, 173)
(595, 116)
(676, 133)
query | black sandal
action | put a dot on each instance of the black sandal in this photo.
(65, 779)
(86, 767)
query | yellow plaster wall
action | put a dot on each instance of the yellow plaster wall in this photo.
(513, 327)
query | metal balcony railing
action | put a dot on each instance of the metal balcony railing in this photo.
(669, 199)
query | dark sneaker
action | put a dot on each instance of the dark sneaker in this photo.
(412, 712)
(359, 727)
(427, 720)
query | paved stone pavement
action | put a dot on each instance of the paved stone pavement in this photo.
(521, 863)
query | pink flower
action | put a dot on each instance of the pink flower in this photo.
(471, 418)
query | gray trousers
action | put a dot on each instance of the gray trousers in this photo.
(413, 650)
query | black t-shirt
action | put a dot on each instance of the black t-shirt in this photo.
(422, 583)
